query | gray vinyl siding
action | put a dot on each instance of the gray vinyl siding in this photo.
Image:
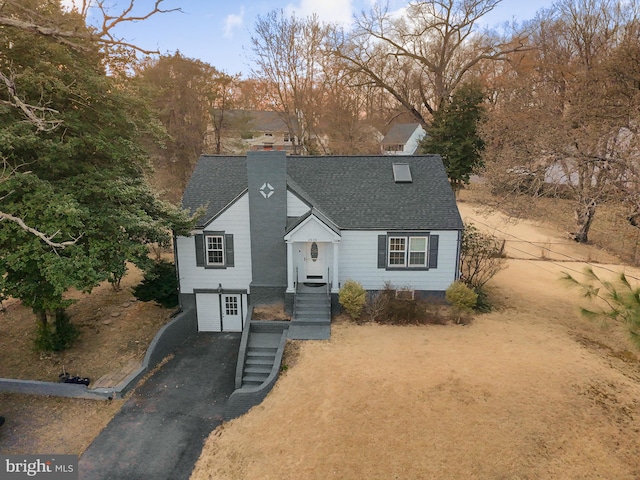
(359, 261)
(234, 221)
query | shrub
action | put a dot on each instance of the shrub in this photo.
(352, 297)
(397, 307)
(481, 257)
(160, 284)
(55, 334)
(461, 297)
(376, 306)
(483, 304)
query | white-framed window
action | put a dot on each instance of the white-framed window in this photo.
(397, 251)
(214, 250)
(418, 251)
(231, 305)
(214, 245)
(407, 251)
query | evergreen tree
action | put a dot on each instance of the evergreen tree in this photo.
(73, 191)
(454, 134)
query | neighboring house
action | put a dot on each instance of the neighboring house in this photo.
(274, 223)
(403, 139)
(247, 130)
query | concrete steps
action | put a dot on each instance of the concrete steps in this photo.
(260, 358)
(311, 318)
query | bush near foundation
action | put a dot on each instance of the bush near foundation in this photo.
(352, 297)
(394, 307)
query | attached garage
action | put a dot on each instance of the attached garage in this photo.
(221, 311)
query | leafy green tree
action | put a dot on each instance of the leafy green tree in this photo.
(454, 134)
(74, 198)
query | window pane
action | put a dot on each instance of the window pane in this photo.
(418, 244)
(215, 252)
(231, 305)
(417, 258)
(397, 251)
(396, 244)
(396, 258)
(418, 251)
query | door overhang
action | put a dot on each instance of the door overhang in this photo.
(312, 229)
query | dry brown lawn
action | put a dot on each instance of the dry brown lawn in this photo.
(115, 329)
(529, 391)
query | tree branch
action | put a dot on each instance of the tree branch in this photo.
(103, 34)
(42, 124)
(48, 239)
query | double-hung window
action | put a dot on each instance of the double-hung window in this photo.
(397, 251)
(215, 250)
(407, 251)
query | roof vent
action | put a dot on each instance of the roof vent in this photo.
(402, 173)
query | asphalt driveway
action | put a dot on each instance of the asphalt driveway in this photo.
(160, 431)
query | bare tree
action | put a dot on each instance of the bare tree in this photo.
(289, 54)
(423, 53)
(562, 117)
(27, 16)
(223, 94)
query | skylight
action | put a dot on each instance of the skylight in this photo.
(402, 173)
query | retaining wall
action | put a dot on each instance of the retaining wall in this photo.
(166, 340)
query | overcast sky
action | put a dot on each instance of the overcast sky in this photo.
(218, 31)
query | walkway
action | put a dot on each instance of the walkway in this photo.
(160, 431)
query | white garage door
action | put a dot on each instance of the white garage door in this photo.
(208, 310)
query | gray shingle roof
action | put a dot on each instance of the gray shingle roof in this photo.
(263, 121)
(355, 192)
(400, 133)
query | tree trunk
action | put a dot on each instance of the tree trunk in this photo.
(585, 211)
(55, 332)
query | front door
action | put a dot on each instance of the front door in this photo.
(231, 313)
(314, 264)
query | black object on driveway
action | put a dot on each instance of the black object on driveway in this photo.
(160, 431)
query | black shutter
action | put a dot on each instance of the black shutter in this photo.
(433, 251)
(199, 250)
(382, 251)
(228, 242)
